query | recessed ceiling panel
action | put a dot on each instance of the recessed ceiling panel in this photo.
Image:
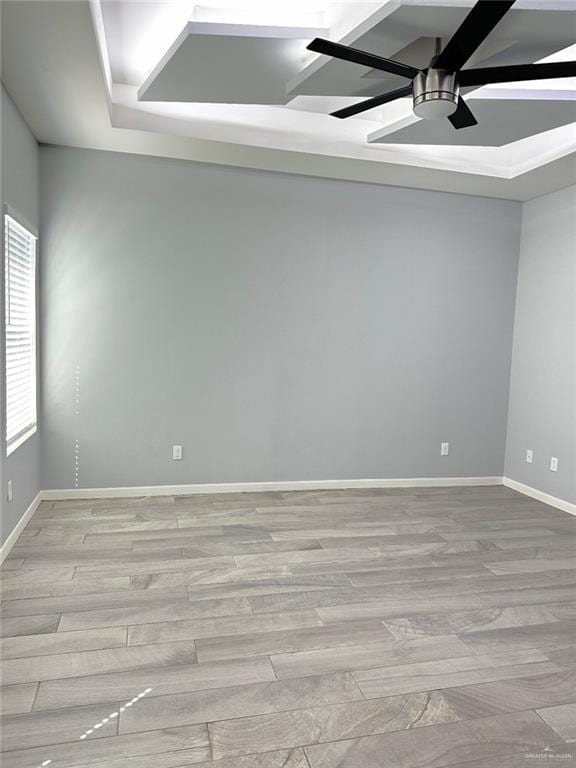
(402, 29)
(229, 63)
(500, 121)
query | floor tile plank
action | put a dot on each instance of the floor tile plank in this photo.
(562, 718)
(159, 612)
(240, 701)
(398, 606)
(241, 624)
(357, 657)
(62, 642)
(40, 729)
(28, 625)
(522, 693)
(247, 735)
(290, 758)
(448, 673)
(74, 665)
(441, 745)
(511, 638)
(69, 692)
(462, 622)
(286, 641)
(102, 751)
(90, 602)
(15, 699)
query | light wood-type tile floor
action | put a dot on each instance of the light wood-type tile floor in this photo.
(405, 628)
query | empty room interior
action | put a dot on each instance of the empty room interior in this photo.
(288, 384)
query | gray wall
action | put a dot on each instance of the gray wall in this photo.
(277, 327)
(20, 192)
(542, 413)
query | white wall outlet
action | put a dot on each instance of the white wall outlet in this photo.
(529, 456)
(554, 464)
(176, 452)
(9, 494)
(444, 449)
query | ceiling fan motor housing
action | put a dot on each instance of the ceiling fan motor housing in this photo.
(436, 93)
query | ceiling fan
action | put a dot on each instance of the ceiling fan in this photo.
(436, 89)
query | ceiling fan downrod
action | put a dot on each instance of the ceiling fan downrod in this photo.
(435, 92)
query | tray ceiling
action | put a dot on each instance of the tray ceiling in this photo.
(184, 76)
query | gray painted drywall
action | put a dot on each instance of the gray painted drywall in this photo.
(20, 191)
(542, 412)
(277, 327)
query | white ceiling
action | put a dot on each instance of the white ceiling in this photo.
(231, 81)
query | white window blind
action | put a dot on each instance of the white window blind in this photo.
(20, 304)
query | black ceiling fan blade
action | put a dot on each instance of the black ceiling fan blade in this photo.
(517, 73)
(376, 101)
(463, 117)
(472, 32)
(344, 52)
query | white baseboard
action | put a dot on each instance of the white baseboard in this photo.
(545, 498)
(296, 485)
(19, 527)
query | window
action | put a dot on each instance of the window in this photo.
(20, 307)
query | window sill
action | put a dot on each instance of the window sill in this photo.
(16, 442)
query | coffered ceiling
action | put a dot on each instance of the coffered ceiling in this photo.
(231, 81)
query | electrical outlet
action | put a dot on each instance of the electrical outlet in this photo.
(554, 464)
(444, 449)
(176, 452)
(529, 456)
(9, 494)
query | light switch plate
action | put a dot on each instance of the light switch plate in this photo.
(176, 452)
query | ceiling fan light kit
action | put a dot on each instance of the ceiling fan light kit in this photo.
(436, 90)
(435, 94)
